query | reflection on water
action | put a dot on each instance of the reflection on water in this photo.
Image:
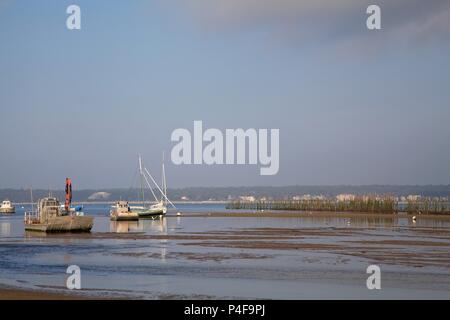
(154, 226)
(124, 226)
(67, 259)
(158, 226)
(5, 229)
(365, 221)
(163, 252)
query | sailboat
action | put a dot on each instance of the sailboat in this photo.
(160, 207)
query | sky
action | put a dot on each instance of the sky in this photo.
(353, 106)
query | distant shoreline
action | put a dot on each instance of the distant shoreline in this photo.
(310, 214)
(132, 202)
(225, 194)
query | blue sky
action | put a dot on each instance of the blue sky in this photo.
(353, 106)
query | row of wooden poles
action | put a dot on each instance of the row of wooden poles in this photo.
(385, 204)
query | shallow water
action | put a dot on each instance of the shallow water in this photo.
(312, 256)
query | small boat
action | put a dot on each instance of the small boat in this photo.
(50, 217)
(122, 212)
(7, 207)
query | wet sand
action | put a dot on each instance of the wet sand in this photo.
(425, 247)
(206, 255)
(23, 294)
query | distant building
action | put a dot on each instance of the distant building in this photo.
(302, 197)
(345, 197)
(99, 196)
(247, 198)
(308, 197)
(184, 198)
(413, 197)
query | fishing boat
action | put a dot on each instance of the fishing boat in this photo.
(122, 212)
(159, 208)
(7, 207)
(50, 217)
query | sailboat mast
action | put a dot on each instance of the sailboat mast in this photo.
(31, 195)
(164, 185)
(141, 172)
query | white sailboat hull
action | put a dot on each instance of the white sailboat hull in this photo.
(152, 211)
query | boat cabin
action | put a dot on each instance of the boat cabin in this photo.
(122, 207)
(6, 204)
(48, 208)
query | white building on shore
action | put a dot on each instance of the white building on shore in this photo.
(345, 197)
(247, 198)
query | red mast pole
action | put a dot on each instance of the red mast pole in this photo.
(68, 194)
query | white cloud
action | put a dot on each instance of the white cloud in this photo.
(297, 21)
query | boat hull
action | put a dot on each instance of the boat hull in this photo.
(7, 210)
(63, 224)
(151, 213)
(124, 217)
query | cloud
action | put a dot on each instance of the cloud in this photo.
(302, 21)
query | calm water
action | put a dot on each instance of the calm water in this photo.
(174, 261)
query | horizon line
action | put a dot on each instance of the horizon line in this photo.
(248, 186)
